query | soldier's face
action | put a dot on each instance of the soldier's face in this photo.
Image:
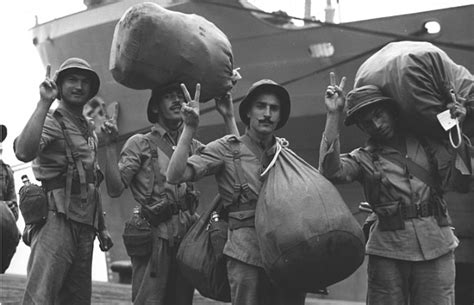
(264, 114)
(378, 122)
(76, 88)
(169, 105)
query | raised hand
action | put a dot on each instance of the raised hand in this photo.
(190, 108)
(48, 88)
(457, 108)
(224, 105)
(110, 128)
(335, 97)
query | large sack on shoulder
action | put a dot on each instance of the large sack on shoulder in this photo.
(418, 75)
(308, 237)
(155, 47)
(200, 256)
(9, 237)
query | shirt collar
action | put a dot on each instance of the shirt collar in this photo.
(269, 151)
(172, 135)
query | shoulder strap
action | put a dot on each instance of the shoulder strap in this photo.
(73, 160)
(241, 186)
(156, 178)
(413, 168)
(160, 143)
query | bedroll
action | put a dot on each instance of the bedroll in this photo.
(419, 77)
(154, 47)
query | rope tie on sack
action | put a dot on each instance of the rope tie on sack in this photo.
(280, 142)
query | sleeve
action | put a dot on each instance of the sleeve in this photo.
(131, 158)
(51, 131)
(208, 159)
(336, 167)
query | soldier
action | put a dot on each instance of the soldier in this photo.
(411, 244)
(237, 163)
(9, 210)
(63, 147)
(168, 208)
(8, 195)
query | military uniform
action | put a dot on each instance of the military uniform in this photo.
(59, 267)
(247, 278)
(411, 253)
(155, 277)
(7, 184)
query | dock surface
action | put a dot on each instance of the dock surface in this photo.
(106, 293)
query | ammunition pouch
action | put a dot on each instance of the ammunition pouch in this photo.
(163, 209)
(33, 204)
(241, 219)
(137, 236)
(390, 216)
(440, 210)
(158, 212)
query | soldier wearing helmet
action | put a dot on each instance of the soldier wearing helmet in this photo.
(165, 210)
(238, 161)
(63, 147)
(410, 243)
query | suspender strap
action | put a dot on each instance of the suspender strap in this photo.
(154, 141)
(241, 186)
(159, 142)
(377, 181)
(73, 159)
(412, 167)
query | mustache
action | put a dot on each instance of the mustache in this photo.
(265, 120)
(177, 104)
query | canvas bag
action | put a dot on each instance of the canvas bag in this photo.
(200, 256)
(308, 238)
(155, 47)
(418, 76)
(33, 204)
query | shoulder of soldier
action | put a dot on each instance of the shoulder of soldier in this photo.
(231, 139)
(138, 139)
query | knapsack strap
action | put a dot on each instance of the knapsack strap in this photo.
(73, 160)
(241, 186)
(155, 141)
(412, 167)
(158, 141)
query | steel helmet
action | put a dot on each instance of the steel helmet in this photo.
(75, 63)
(262, 86)
(360, 98)
(3, 132)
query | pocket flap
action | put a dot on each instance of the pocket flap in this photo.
(242, 215)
